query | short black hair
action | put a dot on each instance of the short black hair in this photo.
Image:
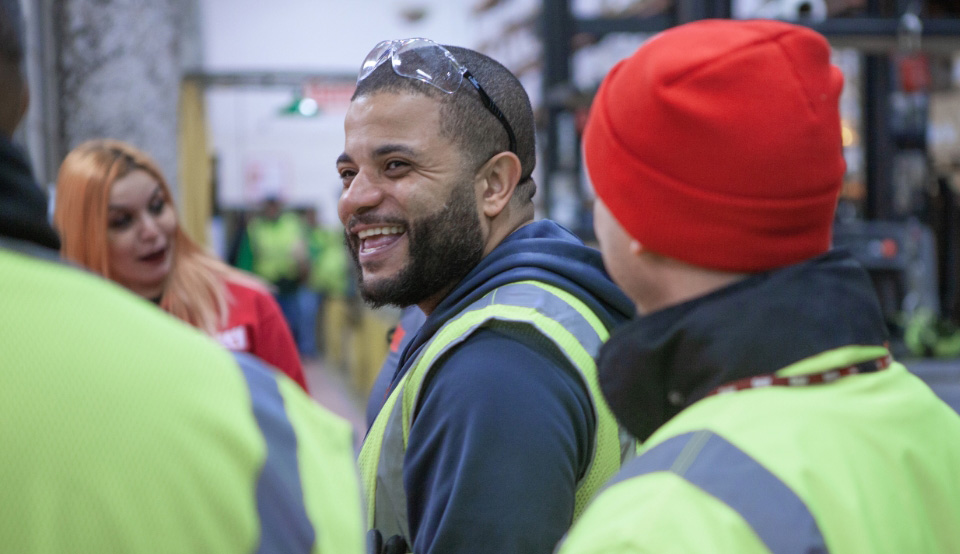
(465, 119)
(11, 33)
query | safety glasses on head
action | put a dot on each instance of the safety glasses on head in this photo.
(425, 60)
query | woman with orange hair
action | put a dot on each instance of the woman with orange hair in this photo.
(115, 215)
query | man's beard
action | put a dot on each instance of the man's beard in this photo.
(443, 248)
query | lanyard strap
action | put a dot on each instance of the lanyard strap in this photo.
(772, 380)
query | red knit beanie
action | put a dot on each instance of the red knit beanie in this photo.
(717, 143)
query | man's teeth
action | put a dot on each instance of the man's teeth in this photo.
(366, 233)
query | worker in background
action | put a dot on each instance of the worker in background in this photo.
(329, 278)
(757, 374)
(277, 240)
(124, 429)
(493, 434)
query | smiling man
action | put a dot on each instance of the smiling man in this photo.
(493, 434)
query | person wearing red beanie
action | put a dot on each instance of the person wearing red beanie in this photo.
(756, 375)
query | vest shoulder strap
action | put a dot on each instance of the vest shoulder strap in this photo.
(557, 314)
(708, 461)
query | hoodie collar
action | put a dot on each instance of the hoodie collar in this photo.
(542, 251)
(658, 364)
(545, 251)
(23, 205)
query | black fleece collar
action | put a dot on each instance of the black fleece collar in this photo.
(23, 205)
(658, 364)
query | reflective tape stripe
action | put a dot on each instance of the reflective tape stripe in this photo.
(942, 378)
(284, 524)
(371, 451)
(387, 498)
(777, 515)
(580, 321)
(525, 301)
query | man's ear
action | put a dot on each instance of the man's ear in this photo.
(498, 179)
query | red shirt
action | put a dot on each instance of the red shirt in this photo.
(256, 325)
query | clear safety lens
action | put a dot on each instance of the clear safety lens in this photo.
(376, 57)
(429, 62)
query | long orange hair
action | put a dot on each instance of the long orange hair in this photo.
(195, 291)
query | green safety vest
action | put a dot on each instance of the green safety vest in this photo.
(275, 244)
(866, 463)
(329, 268)
(556, 314)
(124, 430)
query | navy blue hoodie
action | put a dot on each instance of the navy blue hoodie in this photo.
(504, 428)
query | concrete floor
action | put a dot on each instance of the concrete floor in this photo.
(330, 387)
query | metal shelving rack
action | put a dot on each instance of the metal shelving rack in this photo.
(875, 33)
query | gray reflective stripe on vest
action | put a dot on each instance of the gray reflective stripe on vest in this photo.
(943, 378)
(390, 515)
(284, 524)
(532, 296)
(708, 461)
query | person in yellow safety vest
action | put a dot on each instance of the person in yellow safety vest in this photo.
(278, 248)
(493, 433)
(329, 270)
(329, 277)
(757, 375)
(124, 429)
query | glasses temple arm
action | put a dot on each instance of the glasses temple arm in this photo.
(488, 102)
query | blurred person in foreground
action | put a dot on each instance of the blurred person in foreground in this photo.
(115, 214)
(124, 430)
(493, 434)
(757, 374)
